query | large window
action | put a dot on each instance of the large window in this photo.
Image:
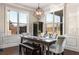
(49, 23)
(17, 22)
(22, 23)
(57, 24)
(54, 22)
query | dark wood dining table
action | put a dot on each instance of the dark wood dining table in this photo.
(40, 40)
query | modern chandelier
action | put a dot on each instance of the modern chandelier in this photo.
(38, 12)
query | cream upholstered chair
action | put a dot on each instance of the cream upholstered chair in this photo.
(58, 47)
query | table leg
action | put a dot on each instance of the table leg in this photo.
(41, 49)
(20, 51)
(44, 51)
(48, 50)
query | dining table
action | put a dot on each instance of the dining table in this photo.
(43, 41)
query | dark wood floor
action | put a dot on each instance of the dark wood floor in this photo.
(14, 51)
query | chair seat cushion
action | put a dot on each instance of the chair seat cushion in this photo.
(54, 49)
(53, 46)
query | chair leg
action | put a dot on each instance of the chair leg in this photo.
(54, 54)
(20, 51)
(62, 53)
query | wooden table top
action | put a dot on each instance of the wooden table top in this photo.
(42, 40)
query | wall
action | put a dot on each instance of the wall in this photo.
(72, 26)
(1, 18)
(1, 24)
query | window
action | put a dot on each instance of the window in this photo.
(17, 22)
(22, 23)
(49, 23)
(54, 23)
(12, 22)
(57, 24)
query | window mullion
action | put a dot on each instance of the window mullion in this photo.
(53, 22)
(17, 22)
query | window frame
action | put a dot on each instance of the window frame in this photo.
(18, 11)
(53, 23)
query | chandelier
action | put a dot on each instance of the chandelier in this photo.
(38, 12)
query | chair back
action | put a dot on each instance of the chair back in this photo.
(60, 43)
(60, 40)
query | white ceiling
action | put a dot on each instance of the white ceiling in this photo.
(45, 6)
(35, 5)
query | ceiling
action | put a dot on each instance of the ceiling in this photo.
(35, 5)
(48, 7)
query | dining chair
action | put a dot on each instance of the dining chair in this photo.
(58, 47)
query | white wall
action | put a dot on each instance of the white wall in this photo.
(1, 18)
(72, 26)
(1, 24)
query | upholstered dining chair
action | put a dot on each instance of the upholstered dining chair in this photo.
(58, 47)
